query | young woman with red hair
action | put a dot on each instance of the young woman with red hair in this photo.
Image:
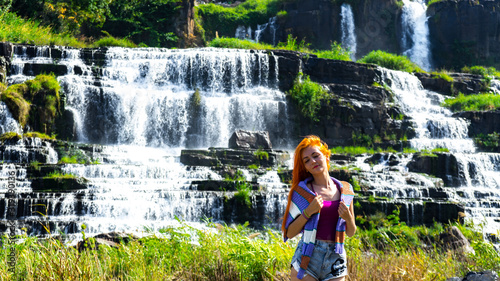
(320, 207)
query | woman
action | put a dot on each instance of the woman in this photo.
(320, 253)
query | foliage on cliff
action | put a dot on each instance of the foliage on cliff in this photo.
(309, 96)
(225, 20)
(479, 102)
(35, 102)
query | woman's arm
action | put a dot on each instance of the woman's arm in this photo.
(298, 224)
(347, 213)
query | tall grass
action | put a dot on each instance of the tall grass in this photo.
(17, 30)
(391, 61)
(309, 96)
(389, 250)
(479, 102)
(335, 53)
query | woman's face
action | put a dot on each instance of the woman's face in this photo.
(314, 160)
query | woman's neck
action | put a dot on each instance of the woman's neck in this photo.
(321, 180)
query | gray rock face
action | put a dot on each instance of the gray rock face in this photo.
(464, 33)
(242, 139)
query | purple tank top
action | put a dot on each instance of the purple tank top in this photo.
(328, 220)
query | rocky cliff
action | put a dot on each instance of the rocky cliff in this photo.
(465, 33)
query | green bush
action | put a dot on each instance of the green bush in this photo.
(235, 43)
(488, 142)
(225, 20)
(443, 75)
(111, 41)
(390, 61)
(309, 96)
(479, 102)
(244, 192)
(481, 70)
(335, 53)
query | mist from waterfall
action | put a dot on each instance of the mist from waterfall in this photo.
(347, 28)
(415, 33)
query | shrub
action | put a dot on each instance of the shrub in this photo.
(109, 41)
(235, 43)
(308, 96)
(488, 142)
(391, 61)
(335, 53)
(244, 191)
(481, 70)
(443, 75)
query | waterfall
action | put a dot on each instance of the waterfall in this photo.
(146, 105)
(347, 29)
(270, 27)
(146, 96)
(435, 127)
(415, 37)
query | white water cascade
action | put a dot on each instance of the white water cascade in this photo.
(141, 104)
(415, 38)
(435, 127)
(347, 29)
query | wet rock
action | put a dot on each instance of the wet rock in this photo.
(250, 139)
(235, 157)
(117, 237)
(442, 165)
(59, 184)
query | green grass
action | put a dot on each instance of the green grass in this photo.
(234, 43)
(59, 175)
(443, 75)
(224, 20)
(479, 102)
(309, 96)
(481, 70)
(10, 136)
(110, 41)
(17, 30)
(390, 61)
(398, 252)
(336, 52)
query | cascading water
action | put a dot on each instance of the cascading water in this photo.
(415, 37)
(479, 172)
(347, 29)
(146, 105)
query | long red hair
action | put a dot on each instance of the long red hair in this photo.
(299, 172)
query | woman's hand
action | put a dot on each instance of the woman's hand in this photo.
(315, 206)
(347, 213)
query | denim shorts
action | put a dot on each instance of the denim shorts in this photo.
(325, 264)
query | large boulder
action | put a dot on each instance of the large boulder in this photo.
(453, 239)
(250, 140)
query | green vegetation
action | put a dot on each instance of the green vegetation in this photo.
(481, 70)
(443, 75)
(243, 193)
(336, 52)
(479, 102)
(390, 61)
(110, 41)
(398, 252)
(224, 20)
(309, 96)
(488, 142)
(234, 43)
(17, 30)
(59, 175)
(38, 135)
(440, 150)
(10, 136)
(261, 154)
(430, 2)
(43, 94)
(253, 167)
